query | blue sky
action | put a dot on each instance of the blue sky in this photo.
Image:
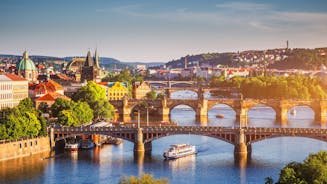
(158, 30)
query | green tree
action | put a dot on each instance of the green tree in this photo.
(60, 105)
(43, 107)
(95, 96)
(151, 95)
(312, 170)
(68, 118)
(83, 112)
(144, 179)
(269, 180)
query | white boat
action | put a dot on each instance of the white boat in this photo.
(179, 150)
(71, 146)
(293, 112)
(87, 144)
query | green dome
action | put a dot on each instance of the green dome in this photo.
(26, 63)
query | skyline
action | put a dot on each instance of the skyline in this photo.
(158, 31)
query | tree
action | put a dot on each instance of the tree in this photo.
(83, 112)
(68, 118)
(43, 107)
(144, 179)
(312, 170)
(95, 96)
(151, 95)
(269, 180)
(60, 105)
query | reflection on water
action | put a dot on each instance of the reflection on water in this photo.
(214, 162)
(18, 170)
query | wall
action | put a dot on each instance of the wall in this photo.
(22, 148)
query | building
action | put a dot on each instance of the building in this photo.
(26, 68)
(13, 89)
(116, 90)
(49, 99)
(43, 88)
(140, 90)
(91, 70)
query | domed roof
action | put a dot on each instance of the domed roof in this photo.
(26, 63)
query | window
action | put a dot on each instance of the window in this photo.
(31, 143)
(35, 142)
(25, 144)
(20, 146)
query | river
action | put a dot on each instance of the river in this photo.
(213, 164)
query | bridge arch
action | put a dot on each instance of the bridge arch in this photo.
(229, 139)
(263, 138)
(121, 136)
(262, 115)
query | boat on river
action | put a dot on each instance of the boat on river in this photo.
(220, 116)
(87, 144)
(179, 150)
(71, 146)
(293, 112)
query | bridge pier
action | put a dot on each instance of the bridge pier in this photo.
(242, 117)
(139, 145)
(52, 139)
(281, 115)
(165, 114)
(320, 113)
(242, 151)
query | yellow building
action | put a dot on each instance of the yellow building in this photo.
(140, 90)
(117, 90)
(13, 89)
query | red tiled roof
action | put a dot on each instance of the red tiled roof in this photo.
(52, 97)
(14, 77)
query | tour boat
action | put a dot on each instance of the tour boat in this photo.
(71, 146)
(220, 116)
(179, 150)
(87, 144)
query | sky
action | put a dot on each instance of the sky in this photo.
(156, 30)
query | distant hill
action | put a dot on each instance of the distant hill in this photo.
(104, 61)
(298, 58)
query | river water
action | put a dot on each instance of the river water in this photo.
(213, 164)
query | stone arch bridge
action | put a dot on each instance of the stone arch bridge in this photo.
(241, 107)
(241, 138)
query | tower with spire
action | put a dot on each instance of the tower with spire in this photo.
(91, 70)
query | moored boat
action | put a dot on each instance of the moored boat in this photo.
(71, 146)
(87, 144)
(179, 150)
(113, 140)
(220, 116)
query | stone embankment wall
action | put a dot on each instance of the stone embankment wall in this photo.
(23, 147)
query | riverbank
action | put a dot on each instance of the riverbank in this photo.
(23, 147)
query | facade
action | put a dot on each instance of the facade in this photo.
(91, 70)
(13, 89)
(26, 68)
(140, 90)
(117, 90)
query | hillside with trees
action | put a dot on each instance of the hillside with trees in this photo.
(298, 58)
(272, 87)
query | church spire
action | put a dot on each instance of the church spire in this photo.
(96, 59)
(88, 61)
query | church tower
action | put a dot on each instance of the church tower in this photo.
(26, 68)
(91, 68)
